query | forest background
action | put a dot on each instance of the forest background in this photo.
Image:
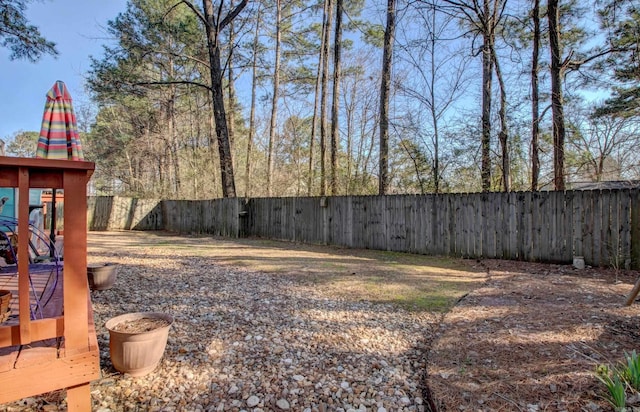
(304, 98)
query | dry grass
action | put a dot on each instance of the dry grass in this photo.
(414, 282)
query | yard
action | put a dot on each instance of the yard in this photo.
(265, 325)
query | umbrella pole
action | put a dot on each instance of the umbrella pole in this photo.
(52, 236)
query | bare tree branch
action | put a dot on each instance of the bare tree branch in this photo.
(232, 15)
(168, 82)
(193, 8)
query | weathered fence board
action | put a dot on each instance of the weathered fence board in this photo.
(624, 234)
(588, 225)
(577, 215)
(634, 246)
(358, 211)
(599, 209)
(512, 251)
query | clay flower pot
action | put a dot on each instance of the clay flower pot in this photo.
(137, 341)
(101, 276)
(5, 301)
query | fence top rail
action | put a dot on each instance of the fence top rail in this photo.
(515, 192)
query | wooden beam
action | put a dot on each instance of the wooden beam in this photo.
(46, 179)
(37, 354)
(76, 287)
(24, 305)
(8, 356)
(79, 398)
(46, 377)
(41, 329)
(35, 163)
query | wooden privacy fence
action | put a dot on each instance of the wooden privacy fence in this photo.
(218, 217)
(600, 225)
(124, 213)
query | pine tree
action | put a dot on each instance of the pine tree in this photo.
(23, 39)
(621, 19)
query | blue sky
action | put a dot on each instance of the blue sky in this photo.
(77, 27)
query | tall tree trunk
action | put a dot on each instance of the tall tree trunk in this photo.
(336, 98)
(385, 89)
(213, 141)
(231, 86)
(487, 80)
(432, 106)
(557, 109)
(328, 12)
(503, 136)
(349, 125)
(173, 136)
(274, 102)
(168, 134)
(314, 122)
(213, 27)
(535, 99)
(367, 160)
(252, 115)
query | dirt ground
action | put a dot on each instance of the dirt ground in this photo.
(530, 338)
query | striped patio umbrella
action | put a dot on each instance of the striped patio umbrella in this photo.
(59, 137)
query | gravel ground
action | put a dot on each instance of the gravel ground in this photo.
(252, 341)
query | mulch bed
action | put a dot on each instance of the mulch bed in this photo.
(531, 338)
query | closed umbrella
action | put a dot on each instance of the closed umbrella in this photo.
(59, 137)
(59, 133)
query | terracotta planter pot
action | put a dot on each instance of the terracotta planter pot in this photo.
(102, 276)
(5, 301)
(134, 349)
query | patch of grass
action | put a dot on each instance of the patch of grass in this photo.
(413, 282)
(432, 303)
(414, 287)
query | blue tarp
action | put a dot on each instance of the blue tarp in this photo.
(9, 208)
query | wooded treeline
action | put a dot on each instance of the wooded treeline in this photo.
(287, 98)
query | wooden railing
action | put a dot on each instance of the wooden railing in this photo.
(76, 362)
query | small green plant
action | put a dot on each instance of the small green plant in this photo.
(631, 371)
(616, 395)
(618, 380)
